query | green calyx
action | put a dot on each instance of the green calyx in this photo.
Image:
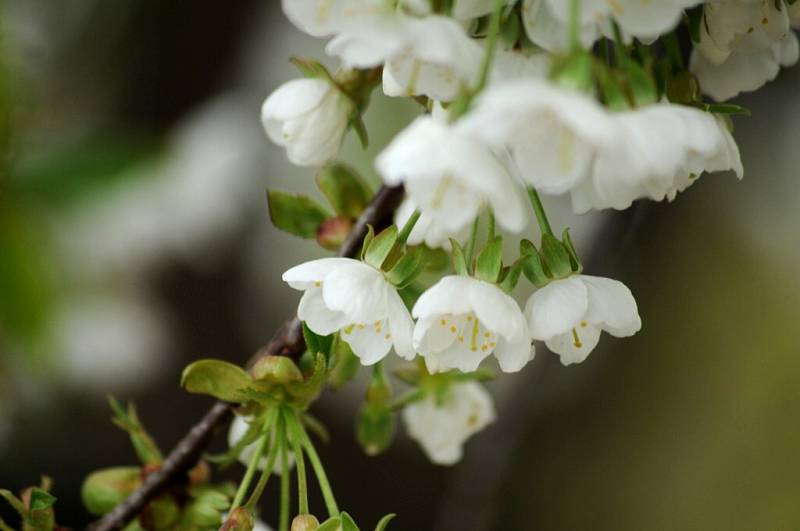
(554, 260)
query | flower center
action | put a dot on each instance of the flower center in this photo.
(468, 330)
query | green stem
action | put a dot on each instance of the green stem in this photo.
(302, 483)
(253, 465)
(408, 227)
(279, 438)
(298, 431)
(491, 228)
(574, 25)
(491, 44)
(473, 236)
(538, 209)
(285, 487)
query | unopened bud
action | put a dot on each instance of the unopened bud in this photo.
(304, 522)
(105, 489)
(332, 232)
(276, 369)
(240, 519)
(375, 428)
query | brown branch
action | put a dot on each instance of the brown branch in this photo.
(287, 341)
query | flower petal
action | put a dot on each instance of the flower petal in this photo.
(318, 317)
(448, 296)
(571, 350)
(513, 356)
(611, 306)
(357, 290)
(306, 275)
(368, 342)
(556, 308)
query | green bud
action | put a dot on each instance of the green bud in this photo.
(333, 232)
(276, 370)
(240, 519)
(105, 489)
(161, 513)
(305, 522)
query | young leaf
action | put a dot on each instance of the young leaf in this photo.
(217, 378)
(15, 502)
(380, 247)
(490, 261)
(347, 523)
(459, 260)
(295, 214)
(331, 524)
(344, 189)
(384, 522)
(41, 499)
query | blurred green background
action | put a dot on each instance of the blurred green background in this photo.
(134, 238)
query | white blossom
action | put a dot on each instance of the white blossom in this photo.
(451, 176)
(743, 44)
(659, 150)
(308, 117)
(569, 314)
(238, 429)
(552, 132)
(322, 18)
(348, 296)
(462, 320)
(442, 427)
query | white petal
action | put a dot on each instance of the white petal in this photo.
(357, 290)
(308, 274)
(497, 311)
(319, 318)
(448, 296)
(369, 342)
(611, 306)
(294, 98)
(401, 327)
(513, 356)
(458, 356)
(556, 308)
(571, 350)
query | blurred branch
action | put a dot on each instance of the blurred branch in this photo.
(287, 341)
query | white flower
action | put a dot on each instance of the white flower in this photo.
(462, 320)
(322, 18)
(743, 44)
(238, 429)
(348, 296)
(570, 313)
(309, 118)
(549, 31)
(553, 133)
(443, 428)
(450, 176)
(659, 150)
(426, 230)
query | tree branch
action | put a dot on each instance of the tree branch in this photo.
(287, 341)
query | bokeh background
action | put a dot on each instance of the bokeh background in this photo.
(134, 238)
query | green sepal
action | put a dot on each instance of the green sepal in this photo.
(205, 509)
(312, 68)
(533, 268)
(723, 108)
(408, 374)
(489, 262)
(407, 268)
(41, 499)
(575, 262)
(348, 524)
(331, 524)
(105, 489)
(611, 88)
(316, 343)
(217, 378)
(295, 214)
(384, 522)
(556, 256)
(642, 86)
(145, 447)
(509, 277)
(574, 71)
(459, 260)
(436, 260)
(480, 375)
(527, 247)
(316, 427)
(161, 514)
(368, 237)
(345, 365)
(357, 123)
(695, 19)
(344, 189)
(380, 247)
(277, 370)
(683, 88)
(305, 392)
(510, 28)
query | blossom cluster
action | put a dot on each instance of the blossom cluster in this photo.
(597, 100)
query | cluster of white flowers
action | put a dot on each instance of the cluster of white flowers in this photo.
(504, 117)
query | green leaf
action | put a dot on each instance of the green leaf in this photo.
(217, 378)
(459, 260)
(556, 256)
(331, 524)
(316, 343)
(380, 247)
(41, 499)
(490, 261)
(344, 189)
(384, 522)
(407, 268)
(347, 523)
(105, 489)
(146, 448)
(295, 214)
(15, 502)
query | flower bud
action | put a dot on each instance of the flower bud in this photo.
(105, 489)
(276, 369)
(332, 232)
(240, 519)
(305, 522)
(375, 428)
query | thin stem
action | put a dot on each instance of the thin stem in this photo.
(298, 431)
(253, 465)
(300, 463)
(491, 44)
(408, 227)
(473, 236)
(285, 487)
(538, 209)
(490, 229)
(575, 25)
(279, 441)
